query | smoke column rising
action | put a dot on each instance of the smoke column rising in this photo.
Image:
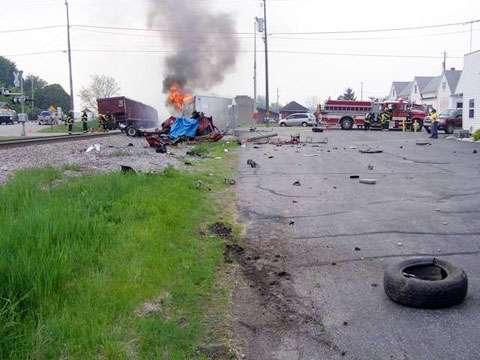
(205, 44)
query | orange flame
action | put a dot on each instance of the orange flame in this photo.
(177, 98)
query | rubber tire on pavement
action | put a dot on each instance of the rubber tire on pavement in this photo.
(450, 128)
(283, 124)
(131, 131)
(420, 125)
(304, 124)
(424, 294)
(347, 124)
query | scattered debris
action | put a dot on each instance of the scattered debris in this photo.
(315, 129)
(370, 167)
(357, 249)
(345, 323)
(399, 244)
(310, 155)
(368, 181)
(252, 163)
(437, 209)
(401, 147)
(221, 229)
(297, 183)
(127, 169)
(354, 176)
(445, 223)
(423, 143)
(257, 138)
(243, 146)
(97, 148)
(353, 147)
(291, 222)
(371, 151)
(475, 151)
(188, 163)
(374, 285)
(295, 201)
(270, 157)
(225, 150)
(199, 183)
(229, 181)
(130, 144)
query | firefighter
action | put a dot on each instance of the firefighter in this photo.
(101, 120)
(85, 121)
(386, 117)
(70, 122)
(409, 119)
(106, 122)
(434, 118)
(368, 121)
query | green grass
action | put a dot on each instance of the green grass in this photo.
(119, 153)
(80, 257)
(64, 128)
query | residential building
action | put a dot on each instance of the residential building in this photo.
(469, 86)
(292, 108)
(397, 88)
(5, 106)
(436, 91)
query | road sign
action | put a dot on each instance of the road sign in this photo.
(17, 75)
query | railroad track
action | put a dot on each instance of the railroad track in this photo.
(8, 144)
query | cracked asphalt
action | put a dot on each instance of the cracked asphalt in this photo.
(425, 203)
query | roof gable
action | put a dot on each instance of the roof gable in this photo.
(453, 77)
(406, 91)
(432, 86)
(422, 82)
(399, 86)
(294, 107)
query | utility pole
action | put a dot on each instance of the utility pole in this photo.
(444, 60)
(471, 31)
(267, 96)
(361, 91)
(23, 103)
(255, 69)
(72, 104)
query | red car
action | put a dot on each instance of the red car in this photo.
(448, 121)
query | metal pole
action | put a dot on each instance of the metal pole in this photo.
(267, 96)
(255, 68)
(361, 92)
(72, 104)
(444, 60)
(23, 104)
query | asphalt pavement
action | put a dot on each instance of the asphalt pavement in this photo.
(333, 237)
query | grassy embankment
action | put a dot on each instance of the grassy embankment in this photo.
(115, 266)
(64, 128)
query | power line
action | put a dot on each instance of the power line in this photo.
(373, 30)
(32, 29)
(160, 30)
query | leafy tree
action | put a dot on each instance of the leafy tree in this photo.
(53, 94)
(7, 68)
(275, 106)
(312, 102)
(261, 101)
(101, 86)
(349, 94)
(38, 85)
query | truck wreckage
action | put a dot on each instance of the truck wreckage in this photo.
(198, 128)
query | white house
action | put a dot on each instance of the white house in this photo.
(469, 86)
(397, 88)
(437, 91)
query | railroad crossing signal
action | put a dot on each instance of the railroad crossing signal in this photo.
(17, 75)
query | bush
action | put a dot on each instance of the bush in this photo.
(476, 135)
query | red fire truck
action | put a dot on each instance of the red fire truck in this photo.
(346, 114)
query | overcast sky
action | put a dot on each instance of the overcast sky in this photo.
(295, 74)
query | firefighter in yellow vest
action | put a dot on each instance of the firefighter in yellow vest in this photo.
(106, 122)
(85, 121)
(434, 118)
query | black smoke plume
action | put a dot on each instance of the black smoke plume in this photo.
(205, 44)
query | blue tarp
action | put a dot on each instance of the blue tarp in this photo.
(183, 127)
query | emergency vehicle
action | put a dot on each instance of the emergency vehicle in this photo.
(346, 114)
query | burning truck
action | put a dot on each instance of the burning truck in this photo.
(175, 129)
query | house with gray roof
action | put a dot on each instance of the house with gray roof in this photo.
(397, 88)
(437, 91)
(292, 108)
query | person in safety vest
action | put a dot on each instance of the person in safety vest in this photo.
(85, 121)
(70, 122)
(434, 118)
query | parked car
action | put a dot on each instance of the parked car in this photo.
(8, 117)
(304, 120)
(448, 121)
(46, 118)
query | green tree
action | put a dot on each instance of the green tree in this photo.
(38, 85)
(261, 101)
(349, 94)
(7, 68)
(53, 94)
(101, 86)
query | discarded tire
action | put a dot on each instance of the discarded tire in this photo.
(426, 283)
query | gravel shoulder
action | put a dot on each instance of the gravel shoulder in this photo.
(114, 152)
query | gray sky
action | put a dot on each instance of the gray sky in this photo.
(297, 76)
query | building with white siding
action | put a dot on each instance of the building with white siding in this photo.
(469, 86)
